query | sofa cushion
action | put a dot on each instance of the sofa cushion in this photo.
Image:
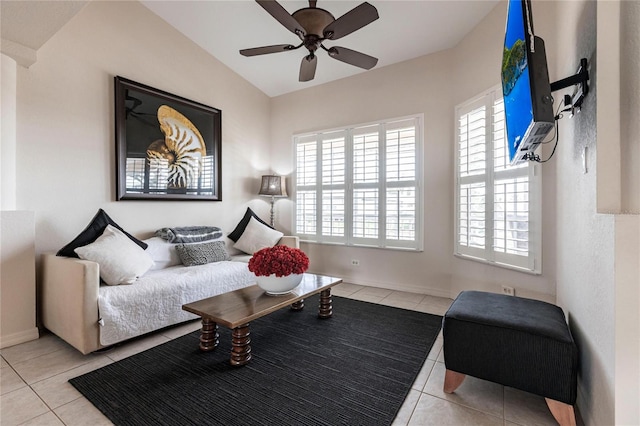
(162, 252)
(121, 261)
(92, 232)
(155, 300)
(241, 226)
(257, 236)
(202, 253)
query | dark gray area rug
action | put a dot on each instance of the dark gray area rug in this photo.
(355, 368)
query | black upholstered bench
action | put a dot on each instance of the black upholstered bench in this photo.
(516, 342)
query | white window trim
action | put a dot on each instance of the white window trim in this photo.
(381, 242)
(533, 262)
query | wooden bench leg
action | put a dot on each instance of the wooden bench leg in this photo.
(563, 413)
(452, 380)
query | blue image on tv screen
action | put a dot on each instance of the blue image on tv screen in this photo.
(515, 78)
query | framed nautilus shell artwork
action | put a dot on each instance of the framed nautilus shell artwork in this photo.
(167, 147)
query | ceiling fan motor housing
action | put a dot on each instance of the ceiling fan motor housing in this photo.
(313, 20)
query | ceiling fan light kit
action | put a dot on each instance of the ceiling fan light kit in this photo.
(314, 25)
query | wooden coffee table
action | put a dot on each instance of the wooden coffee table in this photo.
(237, 308)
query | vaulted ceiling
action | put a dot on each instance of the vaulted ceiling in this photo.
(404, 30)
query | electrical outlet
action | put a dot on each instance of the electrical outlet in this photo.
(355, 262)
(509, 291)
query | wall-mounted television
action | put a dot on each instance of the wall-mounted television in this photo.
(525, 84)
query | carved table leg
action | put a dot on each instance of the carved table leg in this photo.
(240, 348)
(209, 335)
(325, 310)
(298, 305)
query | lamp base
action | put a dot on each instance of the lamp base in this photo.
(273, 200)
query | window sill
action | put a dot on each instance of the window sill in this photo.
(498, 264)
(335, 244)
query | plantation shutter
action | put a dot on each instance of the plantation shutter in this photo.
(333, 165)
(497, 206)
(401, 180)
(306, 179)
(472, 166)
(366, 183)
(362, 185)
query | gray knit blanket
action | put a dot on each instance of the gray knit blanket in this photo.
(189, 234)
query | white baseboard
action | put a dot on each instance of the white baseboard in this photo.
(400, 287)
(20, 337)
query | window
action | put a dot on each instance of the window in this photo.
(497, 206)
(361, 185)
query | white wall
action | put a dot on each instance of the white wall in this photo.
(17, 278)
(627, 244)
(66, 143)
(586, 246)
(619, 62)
(65, 165)
(630, 105)
(417, 86)
(431, 85)
(590, 260)
(599, 278)
(627, 320)
(17, 237)
(8, 133)
(476, 68)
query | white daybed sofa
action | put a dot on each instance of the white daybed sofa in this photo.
(89, 315)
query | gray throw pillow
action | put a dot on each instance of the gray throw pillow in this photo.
(200, 254)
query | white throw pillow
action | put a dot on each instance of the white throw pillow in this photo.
(121, 260)
(257, 236)
(162, 252)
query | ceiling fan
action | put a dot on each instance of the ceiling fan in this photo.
(313, 26)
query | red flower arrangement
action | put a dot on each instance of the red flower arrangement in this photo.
(278, 260)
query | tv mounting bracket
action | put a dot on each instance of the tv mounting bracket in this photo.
(580, 79)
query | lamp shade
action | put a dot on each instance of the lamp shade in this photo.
(273, 186)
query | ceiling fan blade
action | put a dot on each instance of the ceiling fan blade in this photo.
(308, 68)
(351, 21)
(281, 15)
(353, 57)
(266, 49)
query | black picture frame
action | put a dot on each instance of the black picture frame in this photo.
(167, 147)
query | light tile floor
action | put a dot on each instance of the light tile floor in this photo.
(34, 388)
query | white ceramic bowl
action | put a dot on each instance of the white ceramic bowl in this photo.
(278, 285)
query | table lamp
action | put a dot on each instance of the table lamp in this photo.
(273, 186)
